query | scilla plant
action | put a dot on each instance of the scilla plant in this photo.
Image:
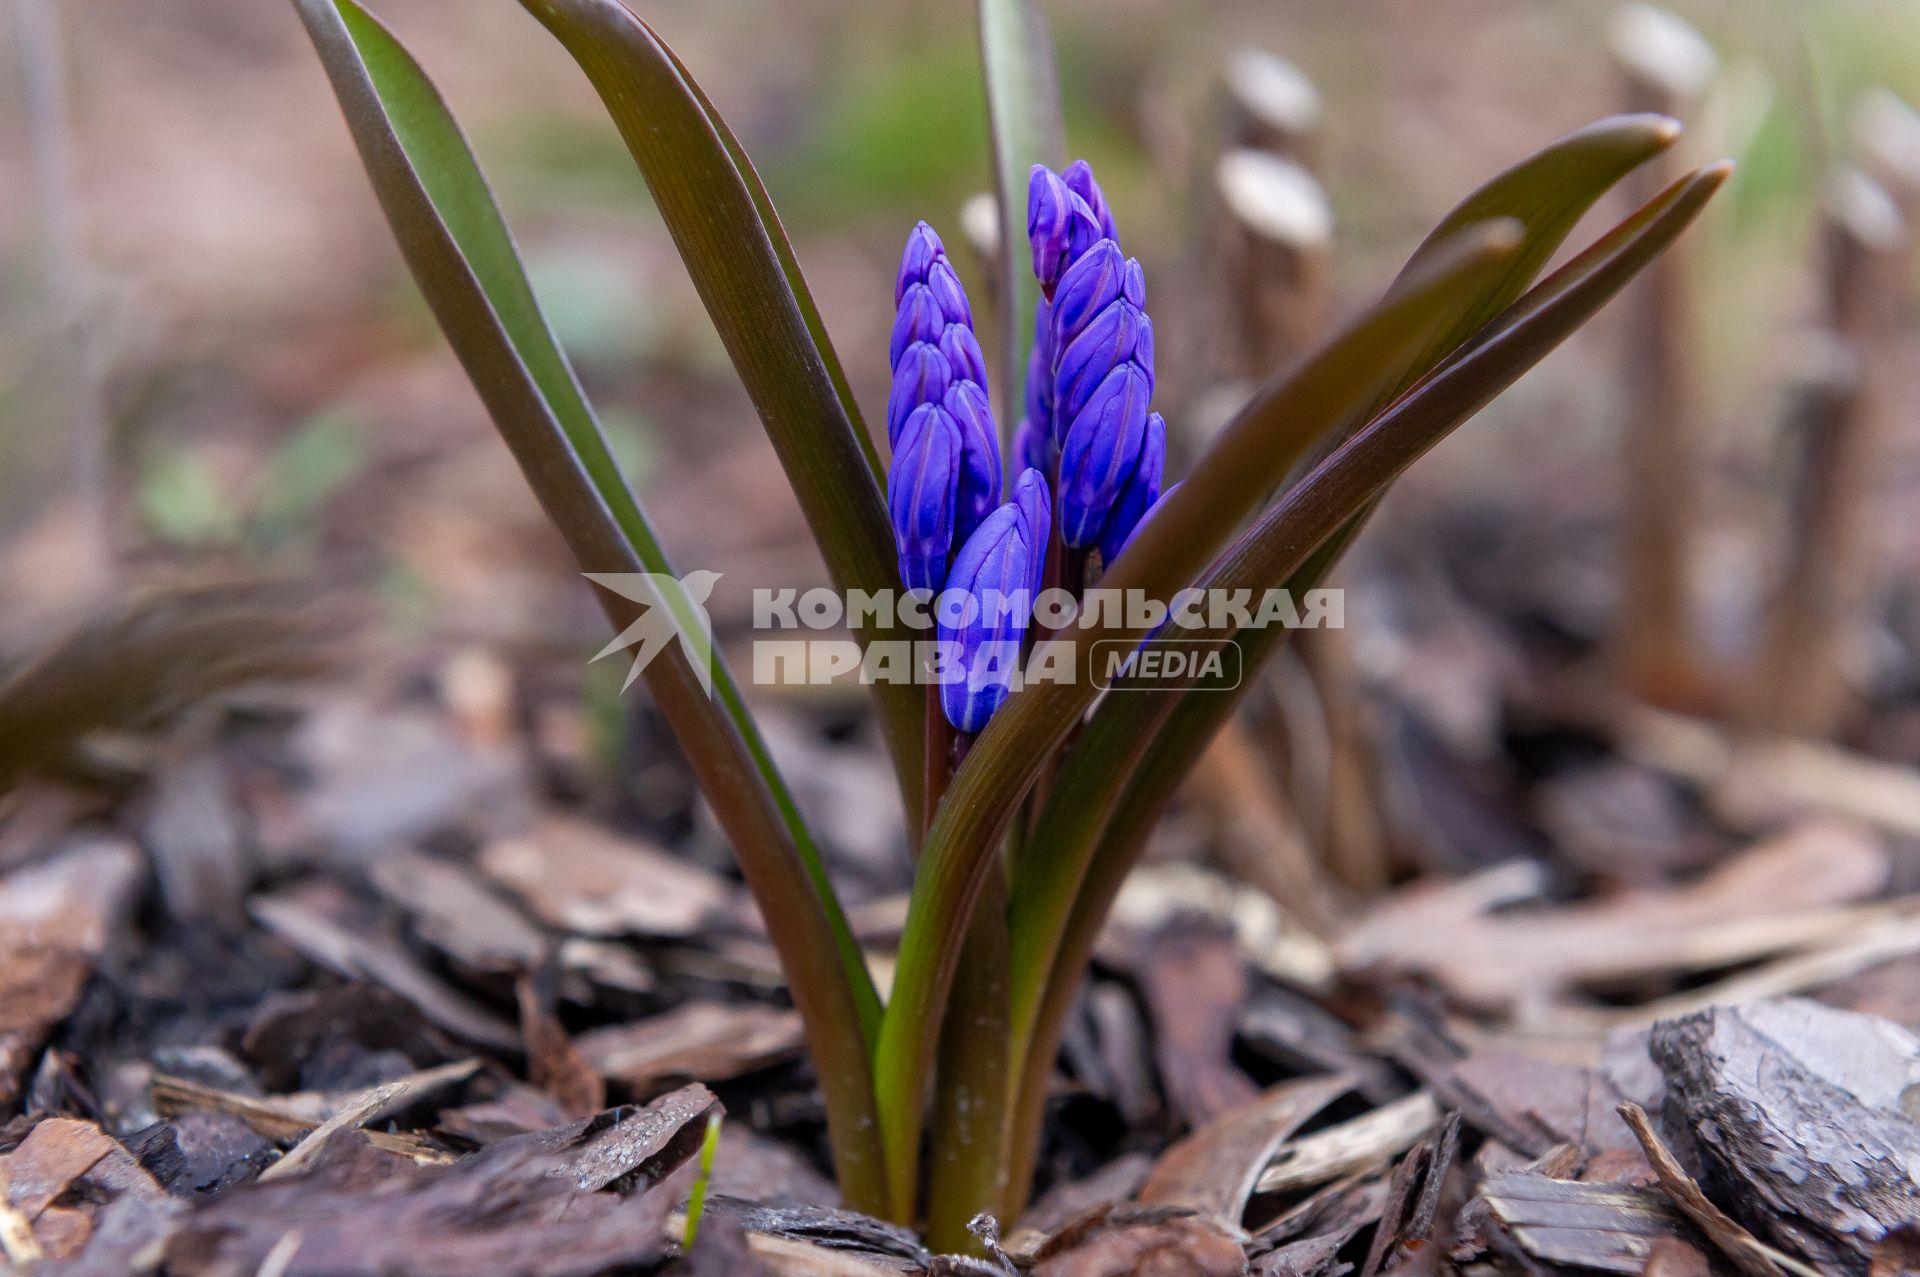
(1035, 471)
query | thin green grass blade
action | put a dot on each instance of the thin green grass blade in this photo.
(1023, 112)
(735, 253)
(1227, 484)
(1139, 747)
(697, 1200)
(463, 257)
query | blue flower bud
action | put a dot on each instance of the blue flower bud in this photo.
(1088, 287)
(917, 319)
(984, 617)
(954, 306)
(1032, 446)
(1101, 450)
(1036, 506)
(923, 250)
(1040, 367)
(921, 376)
(1060, 226)
(963, 353)
(979, 490)
(1116, 336)
(1079, 179)
(922, 488)
(1049, 205)
(1138, 494)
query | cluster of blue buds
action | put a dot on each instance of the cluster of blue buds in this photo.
(952, 532)
(946, 460)
(1087, 435)
(1090, 379)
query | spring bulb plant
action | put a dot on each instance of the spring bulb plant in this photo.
(1015, 481)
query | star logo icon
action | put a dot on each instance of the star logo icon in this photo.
(676, 609)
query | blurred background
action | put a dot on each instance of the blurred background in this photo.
(212, 291)
(1639, 646)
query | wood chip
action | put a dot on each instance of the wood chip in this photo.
(1609, 1227)
(1803, 1112)
(296, 919)
(1194, 981)
(1213, 1171)
(1746, 1251)
(582, 878)
(456, 912)
(1759, 901)
(554, 1064)
(1142, 1241)
(1364, 1142)
(704, 1041)
(370, 1106)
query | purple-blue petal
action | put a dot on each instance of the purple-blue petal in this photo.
(1138, 494)
(994, 567)
(964, 356)
(1040, 368)
(979, 490)
(917, 319)
(1079, 179)
(1106, 343)
(1145, 518)
(923, 250)
(1033, 445)
(922, 484)
(947, 291)
(921, 376)
(1030, 494)
(1101, 449)
(1049, 212)
(1088, 287)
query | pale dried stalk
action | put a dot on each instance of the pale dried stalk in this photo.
(50, 142)
(1819, 612)
(1271, 105)
(1276, 239)
(1666, 68)
(1257, 836)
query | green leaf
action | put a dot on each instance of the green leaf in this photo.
(1229, 482)
(722, 222)
(1023, 110)
(1547, 193)
(184, 500)
(320, 458)
(1139, 747)
(464, 260)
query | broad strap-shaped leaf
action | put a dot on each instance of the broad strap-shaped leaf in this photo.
(722, 223)
(796, 278)
(1023, 112)
(1139, 747)
(460, 252)
(1226, 485)
(1547, 193)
